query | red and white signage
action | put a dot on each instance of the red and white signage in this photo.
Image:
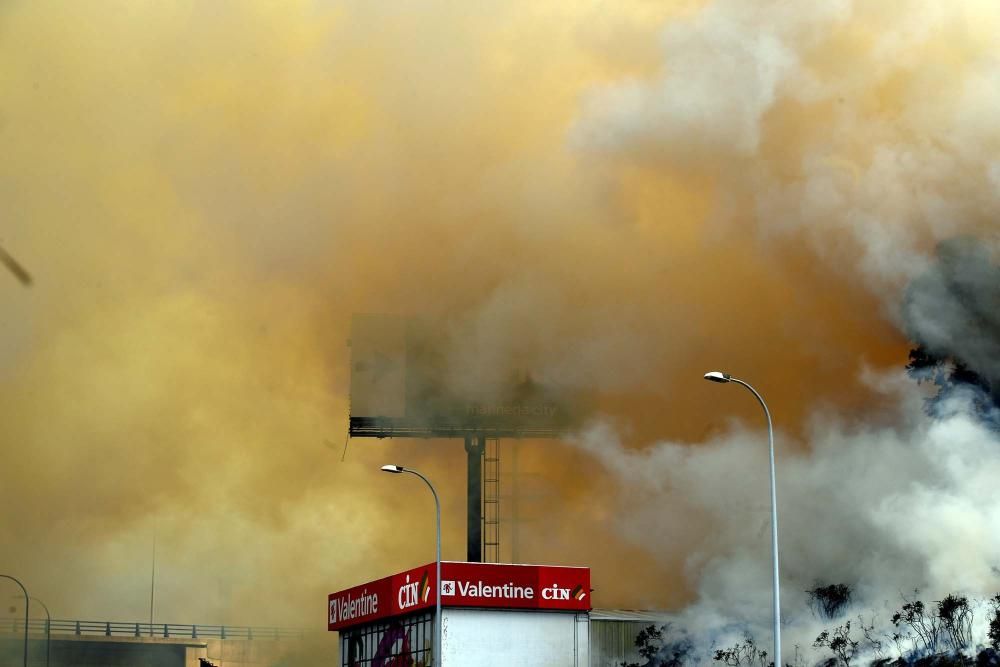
(463, 585)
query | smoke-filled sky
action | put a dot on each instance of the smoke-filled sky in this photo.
(618, 196)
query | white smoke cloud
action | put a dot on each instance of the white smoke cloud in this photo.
(888, 506)
(860, 128)
(863, 118)
(724, 68)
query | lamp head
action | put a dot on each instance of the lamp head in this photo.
(393, 469)
(716, 376)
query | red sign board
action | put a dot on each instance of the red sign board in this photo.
(463, 585)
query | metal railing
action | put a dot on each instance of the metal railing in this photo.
(155, 630)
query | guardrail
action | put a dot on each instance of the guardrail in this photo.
(161, 630)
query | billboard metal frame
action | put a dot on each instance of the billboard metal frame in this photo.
(397, 391)
(391, 427)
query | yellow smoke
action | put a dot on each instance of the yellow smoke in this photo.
(205, 194)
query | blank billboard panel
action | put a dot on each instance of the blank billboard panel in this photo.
(402, 384)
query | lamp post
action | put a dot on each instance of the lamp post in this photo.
(716, 376)
(152, 586)
(26, 603)
(436, 648)
(48, 628)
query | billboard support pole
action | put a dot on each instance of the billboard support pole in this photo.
(474, 545)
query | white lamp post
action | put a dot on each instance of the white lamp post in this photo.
(396, 470)
(716, 376)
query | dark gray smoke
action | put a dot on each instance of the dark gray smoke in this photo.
(952, 312)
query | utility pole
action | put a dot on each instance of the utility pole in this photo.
(152, 587)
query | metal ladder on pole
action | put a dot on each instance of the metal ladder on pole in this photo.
(491, 501)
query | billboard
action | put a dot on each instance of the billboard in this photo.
(403, 384)
(543, 587)
(478, 585)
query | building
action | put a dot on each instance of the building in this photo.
(492, 614)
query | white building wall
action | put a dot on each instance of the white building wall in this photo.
(486, 638)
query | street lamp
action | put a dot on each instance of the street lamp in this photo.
(48, 628)
(397, 470)
(26, 603)
(716, 376)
